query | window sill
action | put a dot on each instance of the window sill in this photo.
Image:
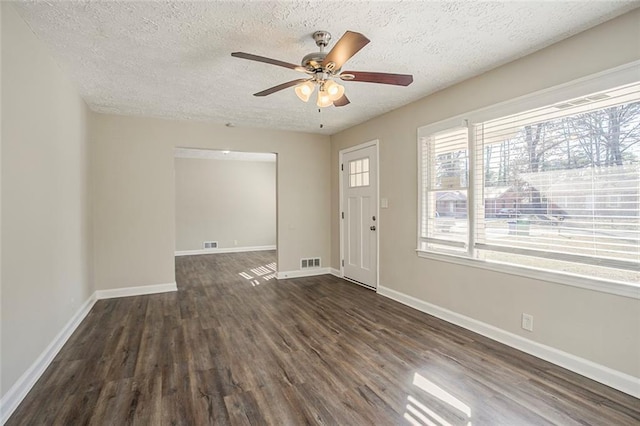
(610, 287)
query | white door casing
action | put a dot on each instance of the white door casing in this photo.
(359, 214)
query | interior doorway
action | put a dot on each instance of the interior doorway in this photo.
(225, 201)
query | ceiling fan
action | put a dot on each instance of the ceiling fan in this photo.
(324, 68)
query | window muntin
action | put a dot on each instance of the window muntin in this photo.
(556, 188)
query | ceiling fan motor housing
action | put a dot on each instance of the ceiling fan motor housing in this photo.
(313, 61)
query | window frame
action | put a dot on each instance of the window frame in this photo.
(625, 74)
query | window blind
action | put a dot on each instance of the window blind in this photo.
(562, 183)
(445, 177)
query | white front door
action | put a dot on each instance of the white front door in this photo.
(359, 170)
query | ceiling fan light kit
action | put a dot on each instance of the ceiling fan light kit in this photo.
(324, 67)
(328, 91)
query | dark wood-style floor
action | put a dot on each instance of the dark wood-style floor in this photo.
(236, 346)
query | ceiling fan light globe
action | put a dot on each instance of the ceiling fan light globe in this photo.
(304, 91)
(324, 100)
(330, 87)
(334, 90)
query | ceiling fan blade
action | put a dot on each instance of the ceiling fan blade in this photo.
(279, 87)
(342, 101)
(348, 45)
(379, 77)
(257, 58)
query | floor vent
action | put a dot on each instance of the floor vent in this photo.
(312, 262)
(210, 244)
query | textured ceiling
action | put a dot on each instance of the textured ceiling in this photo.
(172, 59)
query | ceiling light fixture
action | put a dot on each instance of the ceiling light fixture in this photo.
(322, 68)
(328, 91)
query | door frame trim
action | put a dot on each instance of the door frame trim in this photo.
(376, 144)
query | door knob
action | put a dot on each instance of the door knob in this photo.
(373, 228)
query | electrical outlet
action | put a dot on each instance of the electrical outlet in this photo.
(527, 322)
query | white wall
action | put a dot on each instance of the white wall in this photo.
(232, 202)
(45, 209)
(134, 193)
(599, 327)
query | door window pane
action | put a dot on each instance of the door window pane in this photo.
(359, 173)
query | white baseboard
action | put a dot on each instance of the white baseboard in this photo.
(23, 385)
(336, 272)
(312, 272)
(136, 291)
(600, 373)
(223, 250)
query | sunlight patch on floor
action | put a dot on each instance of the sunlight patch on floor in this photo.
(265, 272)
(419, 414)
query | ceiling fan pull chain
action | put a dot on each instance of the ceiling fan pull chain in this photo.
(320, 112)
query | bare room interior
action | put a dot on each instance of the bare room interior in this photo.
(275, 212)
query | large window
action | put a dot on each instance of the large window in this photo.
(555, 188)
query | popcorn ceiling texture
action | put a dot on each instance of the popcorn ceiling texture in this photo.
(172, 59)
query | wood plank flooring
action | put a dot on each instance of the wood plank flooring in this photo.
(236, 346)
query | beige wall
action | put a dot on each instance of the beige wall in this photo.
(599, 327)
(10, 382)
(231, 202)
(134, 195)
(47, 226)
(45, 209)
